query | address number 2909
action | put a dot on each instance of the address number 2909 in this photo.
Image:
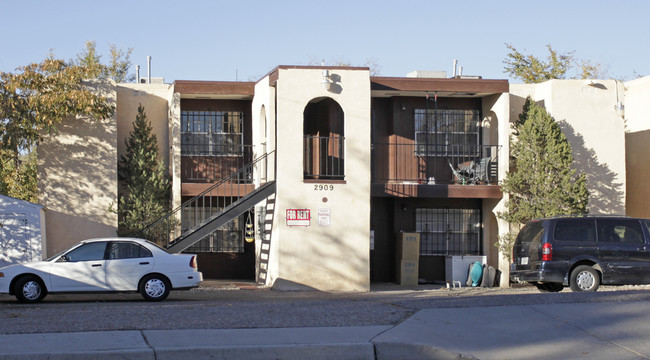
(321, 187)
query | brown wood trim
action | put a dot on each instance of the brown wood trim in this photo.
(214, 87)
(193, 189)
(438, 191)
(428, 84)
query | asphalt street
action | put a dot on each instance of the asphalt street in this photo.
(228, 305)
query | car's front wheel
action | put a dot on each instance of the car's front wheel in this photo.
(155, 287)
(30, 289)
(584, 278)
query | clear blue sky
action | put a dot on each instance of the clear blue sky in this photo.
(228, 40)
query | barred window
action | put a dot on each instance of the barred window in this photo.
(212, 133)
(226, 239)
(449, 231)
(447, 132)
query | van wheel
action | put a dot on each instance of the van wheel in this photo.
(584, 278)
(550, 287)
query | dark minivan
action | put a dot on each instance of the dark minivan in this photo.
(582, 252)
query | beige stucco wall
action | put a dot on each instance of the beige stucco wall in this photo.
(637, 142)
(154, 99)
(77, 179)
(585, 110)
(334, 257)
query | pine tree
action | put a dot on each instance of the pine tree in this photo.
(146, 185)
(542, 182)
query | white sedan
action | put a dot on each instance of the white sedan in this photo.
(103, 265)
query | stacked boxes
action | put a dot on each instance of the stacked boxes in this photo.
(408, 256)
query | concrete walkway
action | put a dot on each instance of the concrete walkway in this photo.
(613, 330)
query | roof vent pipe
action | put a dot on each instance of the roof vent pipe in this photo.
(148, 69)
(454, 71)
(137, 74)
(460, 71)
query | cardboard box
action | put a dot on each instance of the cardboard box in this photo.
(408, 246)
(407, 273)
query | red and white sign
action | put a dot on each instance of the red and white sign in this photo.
(298, 217)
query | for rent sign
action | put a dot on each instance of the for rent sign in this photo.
(298, 217)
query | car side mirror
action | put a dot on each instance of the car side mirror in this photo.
(63, 258)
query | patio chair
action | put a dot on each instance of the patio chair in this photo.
(464, 173)
(482, 171)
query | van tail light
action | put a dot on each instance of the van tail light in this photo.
(547, 252)
(193, 262)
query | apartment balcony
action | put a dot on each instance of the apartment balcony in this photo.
(324, 158)
(435, 170)
(204, 164)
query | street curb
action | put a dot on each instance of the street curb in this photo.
(408, 351)
(256, 352)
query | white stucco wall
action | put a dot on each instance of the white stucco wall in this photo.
(585, 110)
(496, 110)
(637, 106)
(334, 257)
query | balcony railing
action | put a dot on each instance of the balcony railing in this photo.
(221, 162)
(457, 164)
(324, 157)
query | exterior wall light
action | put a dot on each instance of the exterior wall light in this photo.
(325, 83)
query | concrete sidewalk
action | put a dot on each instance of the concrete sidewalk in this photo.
(614, 330)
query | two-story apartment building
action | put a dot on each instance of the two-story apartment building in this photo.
(319, 170)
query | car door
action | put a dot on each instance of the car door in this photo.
(80, 269)
(126, 263)
(623, 250)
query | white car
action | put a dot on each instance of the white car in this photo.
(103, 265)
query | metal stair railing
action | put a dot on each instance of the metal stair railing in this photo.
(210, 209)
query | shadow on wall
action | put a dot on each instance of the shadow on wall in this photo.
(606, 196)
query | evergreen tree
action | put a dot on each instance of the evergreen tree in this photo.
(542, 182)
(146, 185)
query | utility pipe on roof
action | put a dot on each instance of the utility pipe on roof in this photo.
(148, 69)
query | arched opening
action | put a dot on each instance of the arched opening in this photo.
(324, 151)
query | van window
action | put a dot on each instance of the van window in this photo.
(582, 230)
(531, 232)
(620, 231)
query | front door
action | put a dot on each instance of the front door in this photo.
(81, 269)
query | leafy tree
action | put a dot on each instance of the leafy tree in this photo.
(531, 69)
(117, 69)
(147, 189)
(542, 182)
(33, 101)
(18, 180)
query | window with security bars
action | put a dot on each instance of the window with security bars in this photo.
(447, 132)
(449, 231)
(226, 239)
(212, 133)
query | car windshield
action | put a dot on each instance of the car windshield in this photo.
(57, 255)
